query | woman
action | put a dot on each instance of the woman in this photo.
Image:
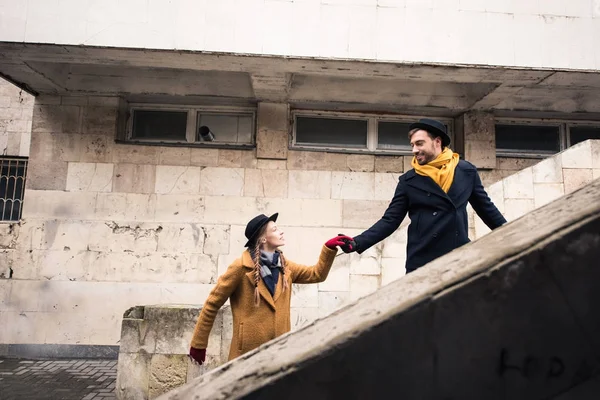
(259, 288)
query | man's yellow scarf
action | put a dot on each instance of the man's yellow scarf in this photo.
(441, 170)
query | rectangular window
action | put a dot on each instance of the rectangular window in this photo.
(159, 125)
(354, 132)
(331, 132)
(191, 125)
(532, 139)
(223, 128)
(578, 134)
(393, 135)
(13, 171)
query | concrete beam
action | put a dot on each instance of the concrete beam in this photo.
(365, 85)
(272, 87)
(514, 315)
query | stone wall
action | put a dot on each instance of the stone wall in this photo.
(122, 225)
(154, 346)
(15, 133)
(15, 120)
(538, 185)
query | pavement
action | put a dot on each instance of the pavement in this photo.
(57, 379)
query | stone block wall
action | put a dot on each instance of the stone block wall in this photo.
(15, 120)
(107, 226)
(540, 184)
(154, 346)
(119, 225)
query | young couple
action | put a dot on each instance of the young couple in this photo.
(434, 194)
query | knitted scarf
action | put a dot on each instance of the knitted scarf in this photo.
(269, 269)
(441, 169)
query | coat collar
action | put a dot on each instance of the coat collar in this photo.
(427, 184)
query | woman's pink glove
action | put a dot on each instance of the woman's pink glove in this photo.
(340, 240)
(198, 355)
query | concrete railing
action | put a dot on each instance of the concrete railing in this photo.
(154, 346)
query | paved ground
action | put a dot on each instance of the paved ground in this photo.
(57, 379)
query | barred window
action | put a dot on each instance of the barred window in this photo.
(12, 187)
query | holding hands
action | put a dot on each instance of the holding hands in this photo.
(346, 243)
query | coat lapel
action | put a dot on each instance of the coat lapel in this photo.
(426, 184)
(460, 183)
(262, 289)
(279, 287)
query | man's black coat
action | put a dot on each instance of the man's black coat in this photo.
(438, 221)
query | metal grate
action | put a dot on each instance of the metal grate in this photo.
(12, 187)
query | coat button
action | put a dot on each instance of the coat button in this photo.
(428, 194)
(435, 213)
(435, 235)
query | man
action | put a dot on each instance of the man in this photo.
(435, 195)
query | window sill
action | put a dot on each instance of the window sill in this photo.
(539, 156)
(195, 145)
(351, 151)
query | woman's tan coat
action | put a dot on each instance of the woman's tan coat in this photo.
(252, 325)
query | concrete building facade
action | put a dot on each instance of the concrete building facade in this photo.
(159, 128)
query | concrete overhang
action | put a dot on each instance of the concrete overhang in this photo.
(352, 85)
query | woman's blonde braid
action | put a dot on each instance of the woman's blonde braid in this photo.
(283, 271)
(256, 258)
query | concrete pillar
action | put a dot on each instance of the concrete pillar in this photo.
(272, 131)
(478, 138)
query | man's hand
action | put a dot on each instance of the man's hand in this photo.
(197, 355)
(346, 243)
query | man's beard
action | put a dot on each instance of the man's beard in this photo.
(427, 157)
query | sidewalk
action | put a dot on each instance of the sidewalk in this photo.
(57, 379)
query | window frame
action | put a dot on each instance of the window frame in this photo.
(564, 133)
(584, 124)
(21, 200)
(191, 125)
(372, 130)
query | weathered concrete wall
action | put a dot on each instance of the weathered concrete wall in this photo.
(154, 346)
(514, 315)
(15, 120)
(475, 32)
(15, 134)
(152, 225)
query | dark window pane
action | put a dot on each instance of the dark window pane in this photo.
(331, 131)
(528, 138)
(235, 129)
(166, 125)
(3, 186)
(392, 135)
(581, 133)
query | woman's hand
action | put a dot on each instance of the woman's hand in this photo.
(197, 355)
(346, 243)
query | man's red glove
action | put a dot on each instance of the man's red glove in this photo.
(345, 243)
(198, 355)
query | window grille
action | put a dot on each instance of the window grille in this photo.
(13, 171)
